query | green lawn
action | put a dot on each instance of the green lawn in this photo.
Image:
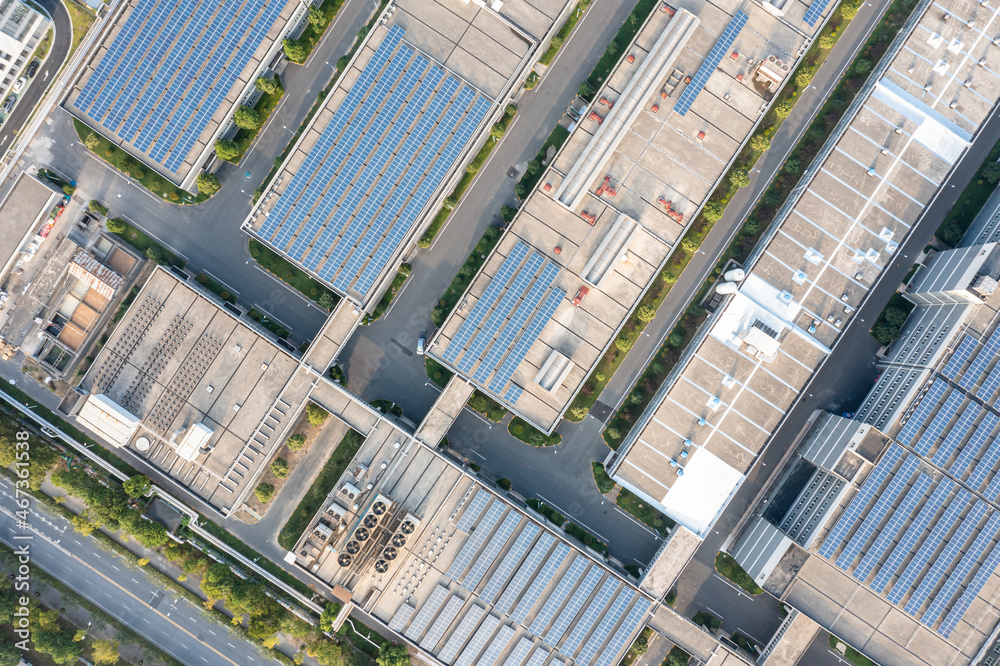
(564, 30)
(728, 567)
(585, 537)
(460, 283)
(215, 287)
(42, 49)
(850, 654)
(321, 487)
(82, 18)
(554, 516)
(437, 372)
(271, 325)
(140, 241)
(647, 514)
(529, 434)
(390, 294)
(487, 406)
(264, 107)
(294, 276)
(707, 620)
(605, 483)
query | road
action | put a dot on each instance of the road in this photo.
(175, 625)
(61, 40)
(840, 384)
(185, 229)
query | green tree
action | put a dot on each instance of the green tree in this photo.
(279, 468)
(137, 486)
(782, 110)
(827, 40)
(264, 492)
(690, 244)
(391, 654)
(326, 653)
(646, 313)
(623, 343)
(675, 340)
(218, 582)
(56, 643)
(83, 524)
(227, 150)
(317, 18)
(579, 412)
(9, 655)
(208, 183)
(330, 612)
(760, 142)
(326, 301)
(8, 604)
(147, 532)
(296, 441)
(850, 9)
(246, 118)
(713, 210)
(155, 253)
(534, 167)
(270, 86)
(92, 141)
(793, 166)
(740, 177)
(803, 77)
(296, 627)
(116, 225)
(862, 66)
(991, 172)
(316, 414)
(295, 50)
(586, 90)
(69, 190)
(105, 651)
(96, 206)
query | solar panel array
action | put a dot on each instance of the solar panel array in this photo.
(461, 634)
(538, 657)
(711, 63)
(968, 453)
(541, 581)
(498, 645)
(441, 624)
(559, 594)
(373, 170)
(960, 357)
(608, 621)
(478, 642)
(401, 617)
(475, 542)
(956, 434)
(170, 68)
(473, 511)
(525, 572)
(505, 321)
(940, 421)
(427, 611)
(628, 627)
(583, 625)
(814, 12)
(957, 575)
(572, 609)
(982, 361)
(919, 416)
(886, 535)
(509, 562)
(492, 550)
(971, 592)
(521, 650)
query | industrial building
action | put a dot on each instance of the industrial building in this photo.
(460, 572)
(613, 203)
(865, 190)
(200, 394)
(166, 77)
(412, 105)
(22, 28)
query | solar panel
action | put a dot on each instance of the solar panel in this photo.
(525, 572)
(927, 548)
(608, 621)
(513, 394)
(923, 410)
(572, 609)
(710, 63)
(521, 651)
(946, 559)
(954, 577)
(427, 611)
(104, 68)
(814, 12)
(860, 501)
(496, 648)
(629, 625)
(559, 594)
(461, 634)
(401, 617)
(478, 642)
(887, 535)
(960, 357)
(475, 542)
(993, 490)
(982, 360)
(509, 562)
(474, 510)
(527, 339)
(956, 434)
(913, 532)
(540, 582)
(974, 445)
(939, 423)
(971, 592)
(441, 624)
(492, 550)
(539, 657)
(596, 606)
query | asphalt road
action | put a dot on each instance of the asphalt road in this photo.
(46, 73)
(840, 383)
(175, 625)
(208, 235)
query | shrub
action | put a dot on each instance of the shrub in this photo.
(850, 9)
(173, 196)
(296, 442)
(740, 177)
(782, 110)
(264, 492)
(804, 77)
(862, 66)
(116, 225)
(623, 343)
(586, 89)
(92, 141)
(68, 190)
(713, 210)
(266, 85)
(579, 412)
(154, 253)
(690, 244)
(316, 415)
(675, 340)
(326, 301)
(246, 117)
(279, 468)
(827, 40)
(208, 183)
(227, 150)
(646, 313)
(991, 172)
(760, 142)
(793, 166)
(316, 17)
(96, 206)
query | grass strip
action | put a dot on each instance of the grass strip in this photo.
(81, 19)
(551, 514)
(707, 620)
(645, 513)
(605, 483)
(533, 172)
(529, 434)
(586, 538)
(145, 244)
(215, 287)
(850, 654)
(397, 283)
(973, 198)
(295, 277)
(271, 325)
(730, 568)
(487, 406)
(264, 107)
(321, 487)
(560, 37)
(437, 373)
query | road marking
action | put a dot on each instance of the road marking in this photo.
(77, 542)
(212, 632)
(115, 568)
(97, 555)
(231, 645)
(135, 581)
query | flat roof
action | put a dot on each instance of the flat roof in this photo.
(179, 361)
(620, 193)
(360, 182)
(167, 74)
(23, 210)
(872, 184)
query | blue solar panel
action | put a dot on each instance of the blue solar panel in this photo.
(513, 394)
(485, 301)
(541, 581)
(107, 64)
(945, 561)
(993, 490)
(558, 596)
(527, 339)
(927, 548)
(525, 572)
(608, 620)
(990, 385)
(960, 357)
(913, 532)
(956, 434)
(957, 575)
(814, 12)
(923, 410)
(939, 422)
(710, 63)
(609, 655)
(971, 592)
(573, 606)
(886, 501)
(982, 360)
(974, 445)
(860, 501)
(888, 534)
(589, 618)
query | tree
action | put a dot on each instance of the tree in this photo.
(675, 340)
(740, 177)
(280, 468)
(8, 604)
(92, 141)
(270, 86)
(391, 654)
(316, 414)
(690, 244)
(579, 412)
(326, 653)
(849, 9)
(9, 655)
(208, 183)
(218, 582)
(782, 110)
(56, 643)
(827, 40)
(69, 190)
(317, 18)
(793, 166)
(623, 343)
(295, 50)
(155, 253)
(83, 524)
(116, 225)
(105, 651)
(147, 532)
(713, 210)
(760, 142)
(295, 627)
(586, 89)
(646, 313)
(862, 66)
(326, 301)
(330, 612)
(96, 206)
(991, 172)
(534, 167)
(803, 77)
(264, 492)
(137, 486)
(227, 150)
(246, 118)
(296, 441)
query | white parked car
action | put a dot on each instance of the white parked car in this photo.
(19, 84)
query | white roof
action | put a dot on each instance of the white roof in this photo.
(695, 499)
(195, 438)
(108, 419)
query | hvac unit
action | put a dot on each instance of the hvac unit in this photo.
(348, 492)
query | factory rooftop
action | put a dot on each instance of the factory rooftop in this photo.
(460, 572)
(863, 194)
(192, 389)
(409, 109)
(612, 204)
(167, 76)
